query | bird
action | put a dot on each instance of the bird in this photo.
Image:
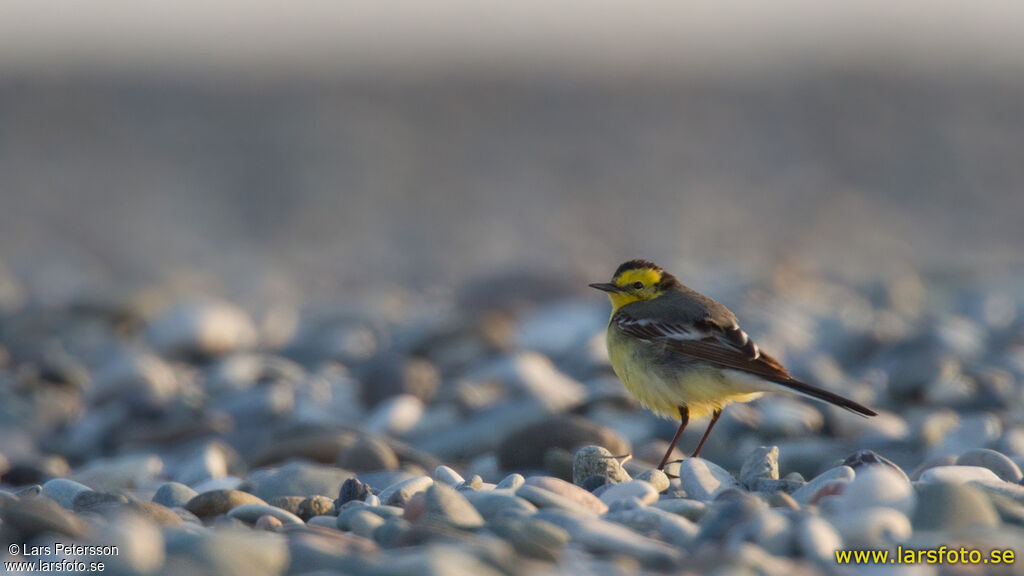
(684, 356)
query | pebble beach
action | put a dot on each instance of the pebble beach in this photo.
(484, 433)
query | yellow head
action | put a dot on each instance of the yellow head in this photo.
(637, 280)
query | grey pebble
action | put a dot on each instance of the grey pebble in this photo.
(692, 510)
(323, 521)
(368, 454)
(949, 507)
(762, 463)
(656, 478)
(86, 501)
(512, 481)
(202, 328)
(567, 490)
(297, 479)
(385, 512)
(525, 448)
(998, 463)
(531, 537)
(446, 475)
(174, 494)
(816, 539)
(703, 479)
(642, 491)
(250, 513)
(401, 492)
(671, 528)
(808, 491)
(958, 475)
(597, 461)
(315, 506)
(64, 491)
(448, 506)
(364, 523)
(601, 536)
(542, 499)
(497, 502)
(230, 551)
(475, 482)
(873, 527)
(878, 486)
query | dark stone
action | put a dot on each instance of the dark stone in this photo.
(526, 447)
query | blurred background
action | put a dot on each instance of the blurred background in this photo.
(278, 152)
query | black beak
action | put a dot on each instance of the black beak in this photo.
(606, 287)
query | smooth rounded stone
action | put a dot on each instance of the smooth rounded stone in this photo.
(638, 489)
(155, 513)
(316, 445)
(140, 545)
(531, 536)
(240, 371)
(704, 480)
(315, 506)
(141, 381)
(762, 463)
(497, 502)
(873, 528)
(352, 489)
(692, 510)
(771, 530)
(878, 486)
(597, 461)
(390, 375)
(671, 528)
(64, 491)
(865, 458)
(211, 461)
(736, 508)
(86, 501)
(29, 517)
(364, 523)
(958, 475)
(785, 417)
(998, 463)
(121, 472)
(534, 376)
(225, 483)
(542, 499)
(368, 454)
(370, 500)
(951, 507)
(174, 495)
(202, 328)
(594, 484)
(769, 486)
(268, 523)
(217, 502)
(448, 506)
(395, 416)
(416, 507)
(656, 478)
(564, 489)
(400, 493)
(603, 537)
(265, 403)
(324, 521)
(384, 512)
(525, 448)
(447, 476)
(229, 551)
(817, 540)
(948, 460)
(808, 492)
(972, 431)
(250, 513)
(512, 481)
(297, 479)
(475, 482)
(289, 503)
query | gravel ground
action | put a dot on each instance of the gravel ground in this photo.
(486, 434)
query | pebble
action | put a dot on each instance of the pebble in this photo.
(216, 502)
(250, 513)
(531, 537)
(448, 506)
(89, 500)
(512, 481)
(368, 454)
(447, 476)
(565, 490)
(289, 503)
(268, 523)
(703, 479)
(229, 552)
(315, 506)
(656, 478)
(121, 472)
(762, 463)
(865, 458)
(873, 528)
(390, 375)
(64, 491)
(364, 523)
(1000, 464)
(352, 489)
(525, 448)
(395, 416)
(654, 522)
(642, 491)
(542, 498)
(499, 502)
(605, 537)
(878, 486)
(958, 474)
(297, 479)
(32, 516)
(202, 328)
(174, 495)
(343, 520)
(401, 492)
(590, 461)
(815, 538)
(692, 510)
(810, 491)
(950, 507)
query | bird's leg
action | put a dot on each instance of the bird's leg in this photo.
(684, 417)
(714, 418)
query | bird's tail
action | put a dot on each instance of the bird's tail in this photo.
(826, 396)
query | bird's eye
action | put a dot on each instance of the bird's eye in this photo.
(638, 285)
